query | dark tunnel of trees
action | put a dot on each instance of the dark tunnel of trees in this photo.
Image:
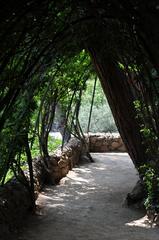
(49, 49)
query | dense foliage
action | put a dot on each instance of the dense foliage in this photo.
(43, 64)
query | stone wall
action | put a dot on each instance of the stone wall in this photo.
(62, 161)
(14, 197)
(104, 142)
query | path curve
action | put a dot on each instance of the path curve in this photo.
(88, 205)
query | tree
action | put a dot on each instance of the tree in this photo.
(116, 34)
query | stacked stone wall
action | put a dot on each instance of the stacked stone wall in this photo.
(14, 197)
(105, 142)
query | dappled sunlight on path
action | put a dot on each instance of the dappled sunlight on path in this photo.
(88, 205)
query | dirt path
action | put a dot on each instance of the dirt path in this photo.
(88, 205)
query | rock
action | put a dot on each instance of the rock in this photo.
(93, 141)
(156, 220)
(104, 148)
(98, 143)
(120, 141)
(137, 194)
(122, 148)
(64, 171)
(54, 160)
(63, 163)
(115, 145)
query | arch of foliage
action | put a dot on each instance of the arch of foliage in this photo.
(42, 64)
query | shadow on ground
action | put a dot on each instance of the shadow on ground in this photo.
(89, 205)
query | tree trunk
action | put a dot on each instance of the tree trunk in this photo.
(120, 98)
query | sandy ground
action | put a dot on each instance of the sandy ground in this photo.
(88, 205)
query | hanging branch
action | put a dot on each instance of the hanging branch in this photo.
(37, 123)
(31, 175)
(78, 129)
(77, 82)
(67, 116)
(46, 124)
(92, 102)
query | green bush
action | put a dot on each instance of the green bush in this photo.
(151, 181)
